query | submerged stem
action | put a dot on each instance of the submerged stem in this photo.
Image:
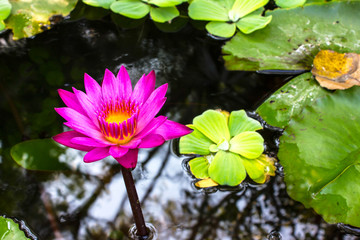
(134, 202)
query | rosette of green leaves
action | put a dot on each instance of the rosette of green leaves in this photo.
(227, 15)
(5, 10)
(229, 146)
(160, 10)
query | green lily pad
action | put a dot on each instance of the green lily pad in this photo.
(290, 99)
(39, 154)
(9, 230)
(5, 9)
(29, 17)
(99, 3)
(130, 8)
(163, 14)
(290, 3)
(227, 169)
(320, 153)
(294, 36)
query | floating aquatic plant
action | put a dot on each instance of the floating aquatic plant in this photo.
(226, 16)
(10, 230)
(160, 10)
(229, 146)
(116, 120)
(5, 9)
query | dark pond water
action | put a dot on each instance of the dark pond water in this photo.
(90, 202)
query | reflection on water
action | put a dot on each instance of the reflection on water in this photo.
(90, 202)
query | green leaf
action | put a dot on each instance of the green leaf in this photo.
(239, 122)
(295, 36)
(199, 167)
(289, 3)
(9, 230)
(221, 29)
(174, 25)
(252, 23)
(247, 144)
(163, 14)
(38, 154)
(195, 143)
(5, 9)
(130, 8)
(260, 169)
(213, 124)
(227, 169)
(320, 153)
(208, 10)
(166, 3)
(99, 3)
(253, 168)
(290, 99)
(29, 17)
(242, 8)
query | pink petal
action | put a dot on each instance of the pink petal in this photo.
(129, 160)
(151, 126)
(88, 142)
(73, 116)
(88, 106)
(65, 139)
(151, 140)
(134, 143)
(93, 89)
(144, 87)
(117, 151)
(125, 87)
(96, 154)
(70, 100)
(110, 86)
(151, 107)
(87, 131)
(170, 130)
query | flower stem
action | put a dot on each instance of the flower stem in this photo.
(134, 202)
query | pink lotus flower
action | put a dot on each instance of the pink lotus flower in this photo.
(113, 119)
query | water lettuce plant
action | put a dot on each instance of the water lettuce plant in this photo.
(116, 120)
(5, 9)
(226, 16)
(229, 146)
(290, 3)
(160, 10)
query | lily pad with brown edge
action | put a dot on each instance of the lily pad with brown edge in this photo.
(335, 70)
(295, 36)
(290, 99)
(29, 17)
(320, 153)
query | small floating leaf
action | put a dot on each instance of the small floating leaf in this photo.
(163, 14)
(239, 122)
(227, 169)
(130, 8)
(5, 9)
(290, 3)
(195, 143)
(248, 144)
(252, 23)
(199, 167)
(208, 11)
(99, 3)
(320, 153)
(205, 183)
(165, 3)
(9, 230)
(38, 154)
(336, 70)
(221, 29)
